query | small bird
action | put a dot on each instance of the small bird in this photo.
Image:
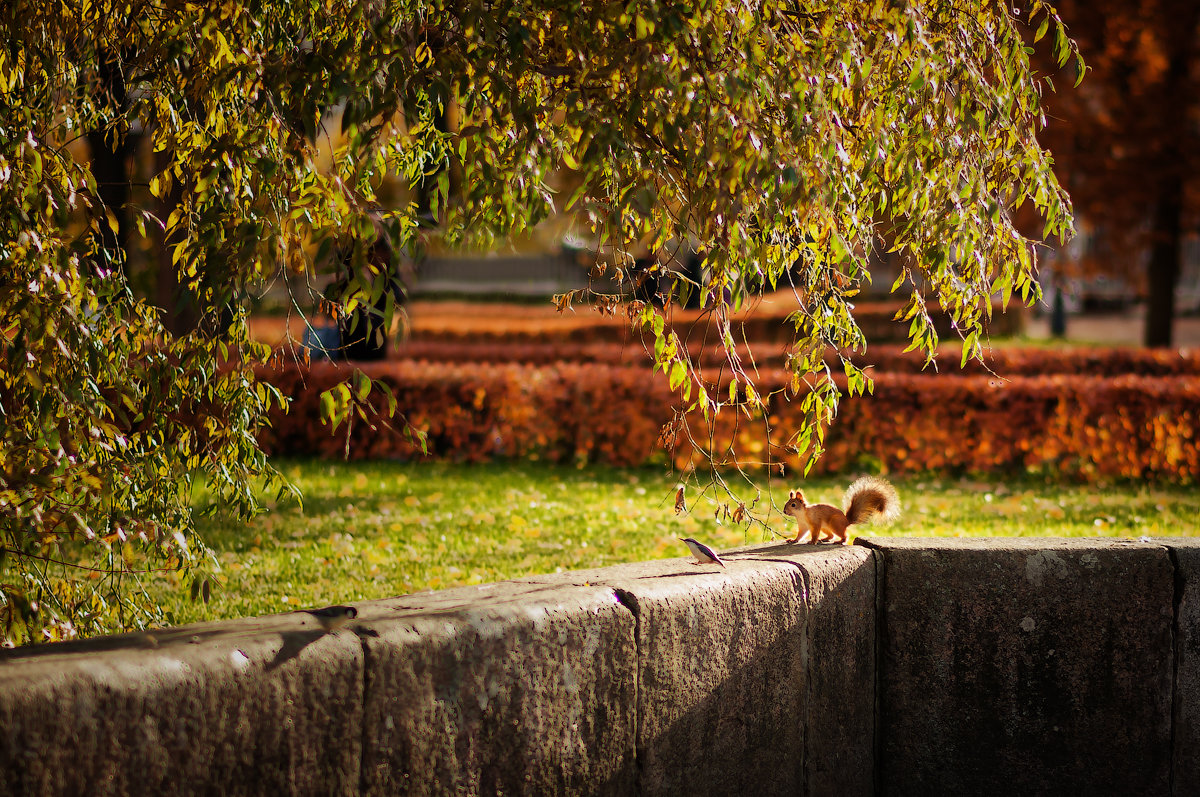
(332, 618)
(704, 555)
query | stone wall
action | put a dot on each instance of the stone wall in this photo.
(1025, 666)
(891, 667)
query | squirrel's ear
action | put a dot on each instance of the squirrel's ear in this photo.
(791, 494)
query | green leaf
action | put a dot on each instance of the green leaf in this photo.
(678, 374)
(362, 386)
(327, 408)
(1042, 28)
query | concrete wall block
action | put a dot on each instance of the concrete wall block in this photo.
(510, 688)
(726, 666)
(721, 688)
(1185, 756)
(270, 706)
(1024, 666)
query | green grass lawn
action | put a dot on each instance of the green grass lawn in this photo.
(382, 529)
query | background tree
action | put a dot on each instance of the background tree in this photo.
(1125, 142)
(787, 140)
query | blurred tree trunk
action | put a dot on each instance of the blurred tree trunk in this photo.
(110, 154)
(1126, 143)
(179, 311)
(1163, 269)
(1166, 245)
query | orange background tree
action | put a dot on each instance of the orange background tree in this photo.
(1125, 140)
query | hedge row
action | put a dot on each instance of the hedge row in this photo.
(766, 323)
(1089, 427)
(1085, 427)
(887, 358)
(476, 413)
(1031, 361)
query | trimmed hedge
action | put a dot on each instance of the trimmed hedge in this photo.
(1131, 426)
(887, 358)
(1084, 427)
(476, 413)
(764, 323)
(1028, 361)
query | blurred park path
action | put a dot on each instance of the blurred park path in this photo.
(1116, 329)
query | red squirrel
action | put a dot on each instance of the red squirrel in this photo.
(867, 500)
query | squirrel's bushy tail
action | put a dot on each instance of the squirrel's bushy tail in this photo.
(871, 498)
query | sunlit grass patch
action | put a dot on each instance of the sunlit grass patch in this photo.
(376, 530)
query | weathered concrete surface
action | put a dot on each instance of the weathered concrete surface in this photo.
(1024, 666)
(1186, 753)
(728, 661)
(840, 753)
(906, 667)
(510, 688)
(649, 678)
(264, 706)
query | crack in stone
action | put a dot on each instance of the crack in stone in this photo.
(630, 602)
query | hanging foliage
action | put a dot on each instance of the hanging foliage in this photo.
(786, 142)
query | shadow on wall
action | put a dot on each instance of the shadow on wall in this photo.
(729, 680)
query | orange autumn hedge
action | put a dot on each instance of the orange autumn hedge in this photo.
(1130, 426)
(1083, 427)
(475, 413)
(1002, 362)
(762, 322)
